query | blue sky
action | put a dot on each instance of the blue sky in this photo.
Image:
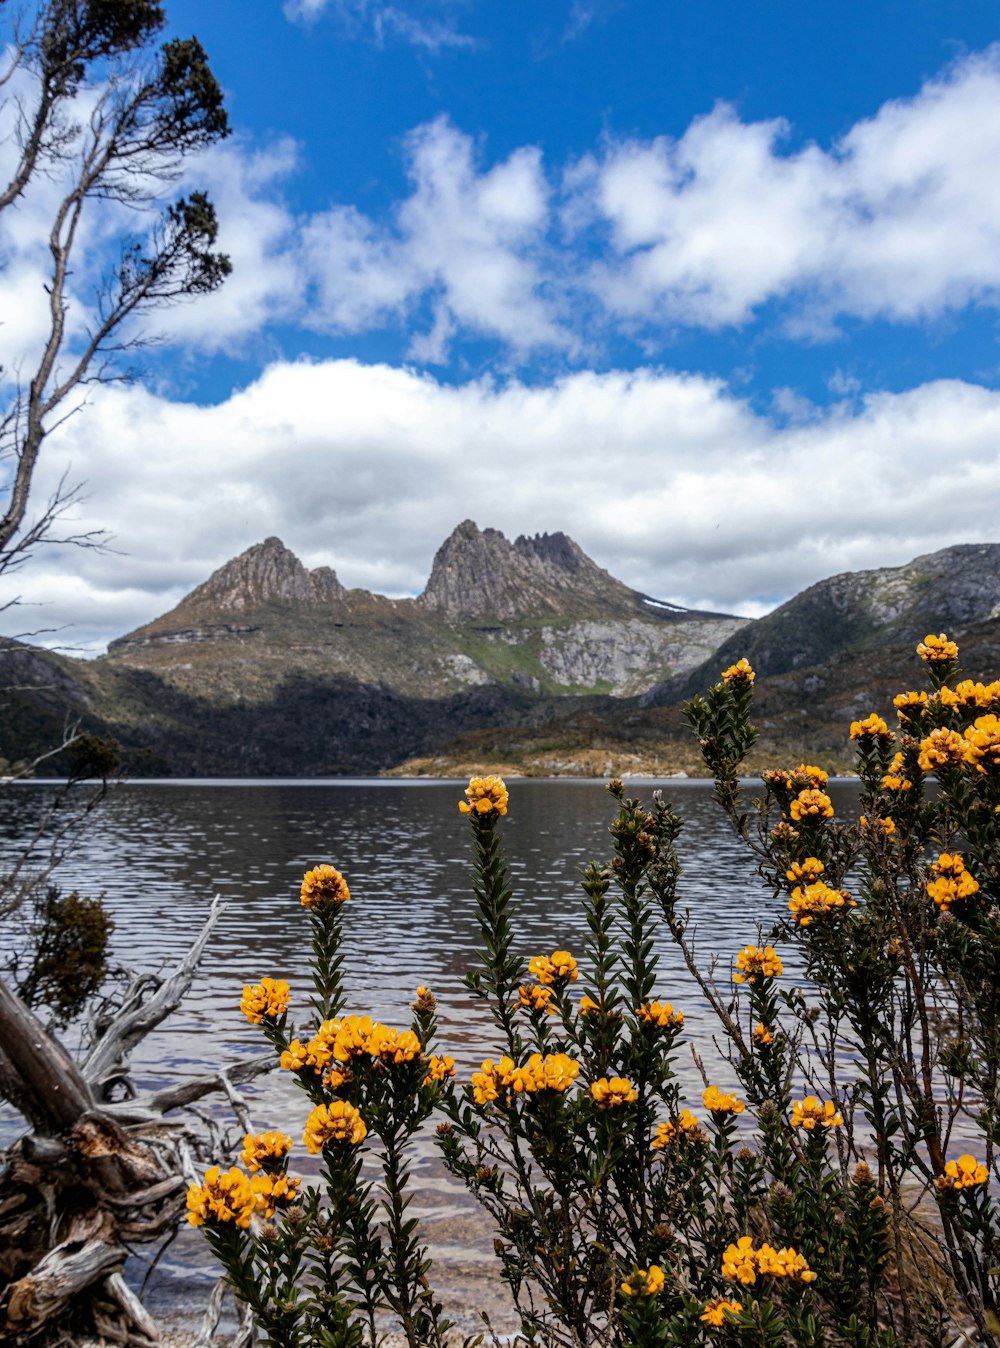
(713, 288)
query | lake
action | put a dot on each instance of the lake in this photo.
(160, 851)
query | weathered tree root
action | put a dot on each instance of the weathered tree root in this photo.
(94, 1176)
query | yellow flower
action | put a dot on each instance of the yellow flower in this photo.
(666, 1132)
(937, 650)
(487, 795)
(815, 900)
(293, 1058)
(894, 779)
(884, 824)
(809, 870)
(716, 1311)
(587, 1005)
(351, 1037)
(811, 804)
(554, 1072)
(392, 1046)
(808, 774)
(951, 881)
(742, 1263)
(273, 1192)
(965, 1173)
(323, 886)
(660, 1014)
(741, 672)
(812, 1112)
(559, 967)
(722, 1102)
(910, 706)
(225, 1196)
(265, 1151)
(940, 749)
(967, 694)
(267, 999)
(982, 748)
(337, 1122)
(753, 964)
(485, 1083)
(613, 1092)
(644, 1282)
(439, 1068)
(535, 997)
(761, 1034)
(871, 727)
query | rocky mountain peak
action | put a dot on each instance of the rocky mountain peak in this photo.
(267, 573)
(480, 573)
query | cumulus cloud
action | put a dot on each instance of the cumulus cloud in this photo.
(471, 239)
(898, 219)
(670, 481)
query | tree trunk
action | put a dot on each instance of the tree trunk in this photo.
(92, 1176)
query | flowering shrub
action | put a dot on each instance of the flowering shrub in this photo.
(836, 1189)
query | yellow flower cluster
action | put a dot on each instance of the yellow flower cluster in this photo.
(265, 1151)
(741, 672)
(722, 1102)
(666, 1132)
(559, 967)
(644, 1282)
(716, 1311)
(937, 650)
(761, 1034)
(909, 705)
(439, 1068)
(337, 1122)
(536, 997)
(660, 1014)
(872, 727)
(815, 900)
(742, 1263)
(613, 1092)
(350, 1037)
(811, 804)
(940, 749)
(812, 1112)
(752, 964)
(894, 779)
(951, 881)
(884, 825)
(232, 1196)
(965, 1173)
(267, 999)
(553, 1072)
(587, 1005)
(487, 795)
(809, 870)
(982, 744)
(323, 886)
(969, 694)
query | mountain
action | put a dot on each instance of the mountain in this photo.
(856, 611)
(271, 668)
(522, 655)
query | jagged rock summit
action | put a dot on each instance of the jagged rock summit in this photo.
(478, 573)
(267, 573)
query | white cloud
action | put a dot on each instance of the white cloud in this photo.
(899, 219)
(472, 240)
(669, 480)
(383, 22)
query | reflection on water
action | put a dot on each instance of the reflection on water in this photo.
(158, 852)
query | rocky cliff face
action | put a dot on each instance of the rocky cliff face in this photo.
(859, 610)
(480, 574)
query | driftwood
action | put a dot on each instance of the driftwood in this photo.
(93, 1175)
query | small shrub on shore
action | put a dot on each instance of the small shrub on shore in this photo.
(833, 1187)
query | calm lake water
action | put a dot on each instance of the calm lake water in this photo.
(160, 851)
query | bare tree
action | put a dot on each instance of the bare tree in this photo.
(90, 105)
(96, 119)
